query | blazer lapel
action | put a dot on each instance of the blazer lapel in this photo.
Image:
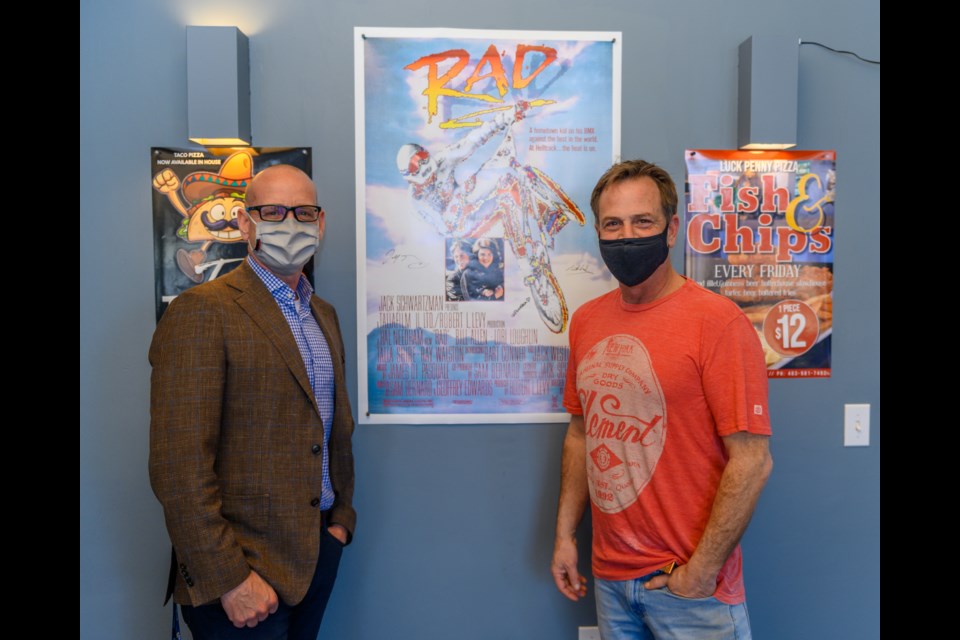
(256, 301)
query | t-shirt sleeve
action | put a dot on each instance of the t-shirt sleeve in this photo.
(735, 379)
(571, 399)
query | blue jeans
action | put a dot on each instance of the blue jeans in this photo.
(626, 610)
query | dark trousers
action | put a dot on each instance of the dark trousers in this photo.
(299, 622)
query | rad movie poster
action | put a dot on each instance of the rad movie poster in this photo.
(760, 230)
(197, 197)
(477, 152)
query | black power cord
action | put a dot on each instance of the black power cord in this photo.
(849, 53)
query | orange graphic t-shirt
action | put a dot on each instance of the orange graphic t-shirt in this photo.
(658, 386)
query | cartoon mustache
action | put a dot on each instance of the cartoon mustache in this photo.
(219, 225)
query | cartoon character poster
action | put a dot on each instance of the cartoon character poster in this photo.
(760, 230)
(197, 197)
(477, 152)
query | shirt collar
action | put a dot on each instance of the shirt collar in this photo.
(277, 287)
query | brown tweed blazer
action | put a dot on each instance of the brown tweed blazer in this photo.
(233, 434)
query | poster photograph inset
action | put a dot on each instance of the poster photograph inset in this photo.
(477, 152)
(760, 231)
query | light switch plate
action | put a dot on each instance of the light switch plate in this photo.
(856, 425)
(589, 633)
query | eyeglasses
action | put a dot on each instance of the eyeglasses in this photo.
(278, 212)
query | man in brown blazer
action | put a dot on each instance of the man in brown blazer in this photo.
(250, 451)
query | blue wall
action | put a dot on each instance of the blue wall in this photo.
(456, 523)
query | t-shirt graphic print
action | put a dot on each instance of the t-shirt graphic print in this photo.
(625, 419)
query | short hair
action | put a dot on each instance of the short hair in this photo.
(459, 245)
(487, 243)
(633, 169)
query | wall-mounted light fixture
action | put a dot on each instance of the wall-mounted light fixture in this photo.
(769, 73)
(218, 86)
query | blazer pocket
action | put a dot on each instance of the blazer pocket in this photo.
(249, 517)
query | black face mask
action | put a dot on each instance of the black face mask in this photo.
(633, 260)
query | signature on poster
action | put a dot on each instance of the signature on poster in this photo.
(403, 259)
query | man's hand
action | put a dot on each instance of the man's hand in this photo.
(685, 582)
(339, 532)
(250, 602)
(564, 570)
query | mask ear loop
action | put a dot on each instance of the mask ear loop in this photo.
(256, 246)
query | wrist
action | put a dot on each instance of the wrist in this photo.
(702, 571)
(564, 537)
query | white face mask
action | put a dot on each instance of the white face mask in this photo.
(284, 247)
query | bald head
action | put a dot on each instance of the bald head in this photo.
(281, 184)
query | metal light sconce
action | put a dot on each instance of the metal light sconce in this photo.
(769, 74)
(218, 86)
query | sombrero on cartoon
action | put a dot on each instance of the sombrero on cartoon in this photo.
(235, 173)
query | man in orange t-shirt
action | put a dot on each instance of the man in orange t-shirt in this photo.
(667, 389)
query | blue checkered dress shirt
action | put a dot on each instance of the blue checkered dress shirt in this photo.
(314, 351)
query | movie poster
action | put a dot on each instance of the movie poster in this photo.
(477, 152)
(197, 197)
(760, 229)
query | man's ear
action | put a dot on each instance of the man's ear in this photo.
(673, 230)
(247, 229)
(322, 222)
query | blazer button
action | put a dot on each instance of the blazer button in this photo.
(317, 449)
(315, 502)
(189, 582)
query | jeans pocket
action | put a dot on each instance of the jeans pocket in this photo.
(667, 591)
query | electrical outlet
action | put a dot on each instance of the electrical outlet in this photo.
(856, 425)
